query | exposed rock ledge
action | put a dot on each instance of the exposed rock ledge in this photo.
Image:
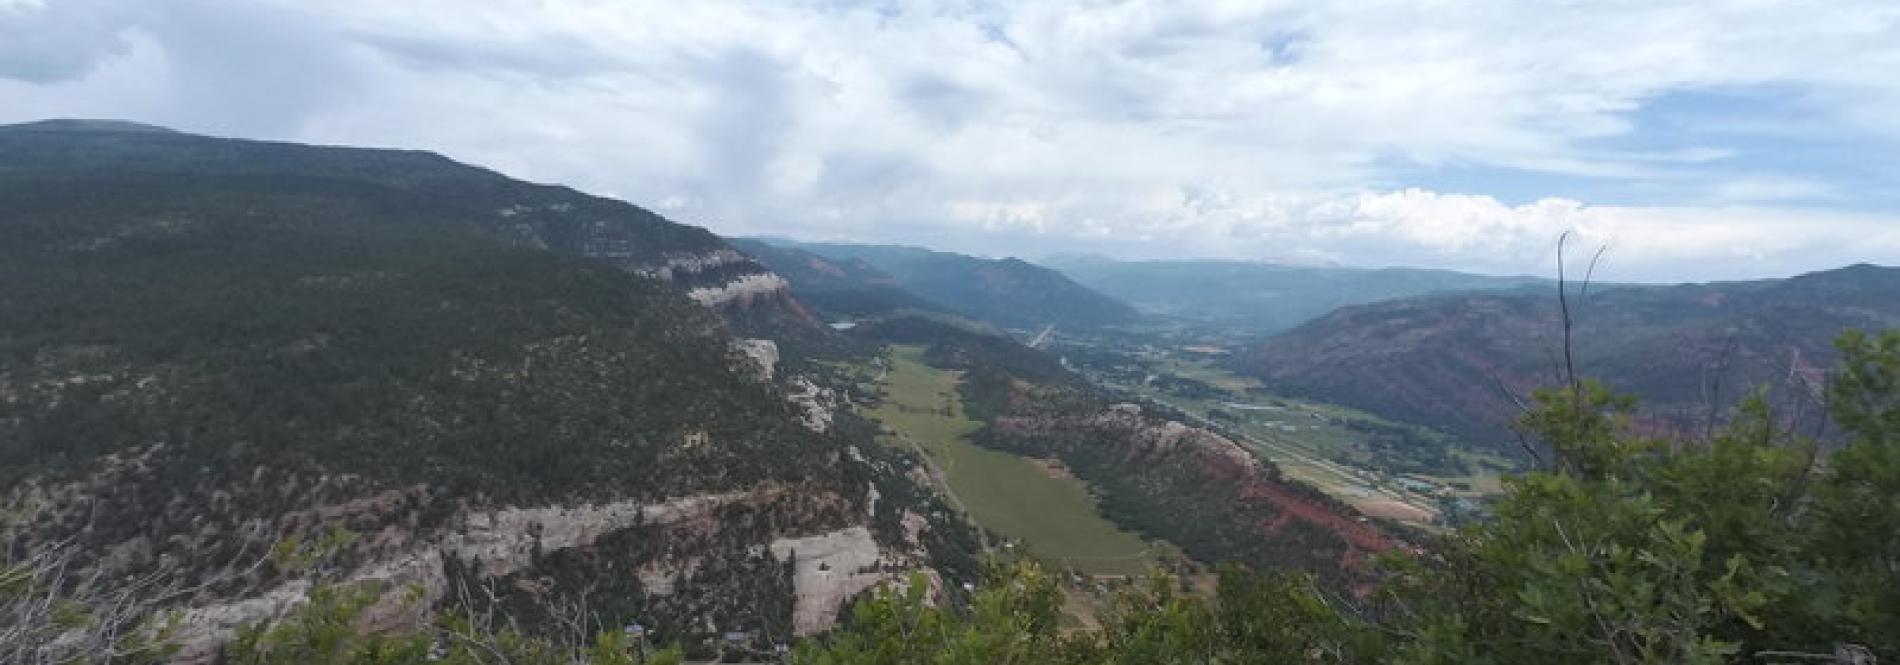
(761, 357)
(504, 539)
(828, 569)
(816, 403)
(681, 264)
(744, 288)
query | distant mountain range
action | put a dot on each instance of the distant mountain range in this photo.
(1455, 361)
(1008, 292)
(1260, 298)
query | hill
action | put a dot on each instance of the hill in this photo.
(232, 368)
(1008, 292)
(1260, 298)
(1454, 361)
(837, 289)
(548, 217)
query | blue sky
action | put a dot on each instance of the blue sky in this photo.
(1709, 147)
(1699, 140)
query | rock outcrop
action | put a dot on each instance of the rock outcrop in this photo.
(828, 569)
(760, 358)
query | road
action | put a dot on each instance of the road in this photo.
(1042, 336)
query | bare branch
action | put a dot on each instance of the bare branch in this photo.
(1563, 306)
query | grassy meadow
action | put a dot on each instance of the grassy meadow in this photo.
(1028, 501)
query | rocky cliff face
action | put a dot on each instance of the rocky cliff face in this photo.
(744, 292)
(751, 298)
(838, 290)
(685, 553)
(730, 548)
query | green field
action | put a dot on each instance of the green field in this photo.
(1051, 514)
(1307, 442)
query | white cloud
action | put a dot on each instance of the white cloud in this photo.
(1143, 127)
(1475, 232)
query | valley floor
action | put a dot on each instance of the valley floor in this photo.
(1309, 443)
(1032, 502)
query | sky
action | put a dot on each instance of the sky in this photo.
(1697, 140)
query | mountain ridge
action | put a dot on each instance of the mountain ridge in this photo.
(86, 125)
(546, 216)
(1455, 360)
(1008, 291)
(1262, 298)
(843, 289)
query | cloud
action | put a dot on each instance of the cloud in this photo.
(1255, 128)
(1470, 232)
(240, 68)
(42, 43)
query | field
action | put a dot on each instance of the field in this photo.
(1310, 443)
(1029, 501)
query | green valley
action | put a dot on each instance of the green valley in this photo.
(1027, 500)
(1382, 468)
(949, 332)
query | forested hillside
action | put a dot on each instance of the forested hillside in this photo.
(231, 369)
(548, 217)
(1741, 547)
(1262, 298)
(838, 289)
(1007, 292)
(1463, 363)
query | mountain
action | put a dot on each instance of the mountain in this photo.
(549, 217)
(837, 289)
(230, 369)
(1454, 361)
(1008, 292)
(1261, 298)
